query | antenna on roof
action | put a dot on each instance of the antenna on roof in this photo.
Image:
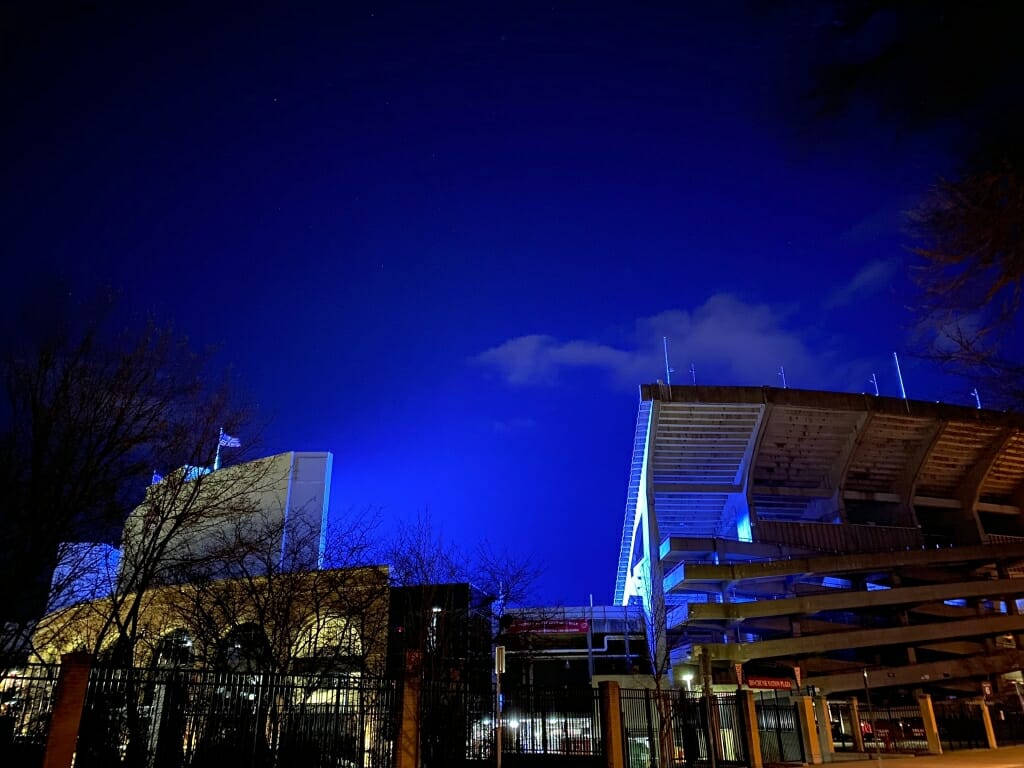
(899, 375)
(874, 380)
(668, 370)
(977, 397)
(693, 374)
(782, 375)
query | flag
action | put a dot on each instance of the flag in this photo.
(227, 441)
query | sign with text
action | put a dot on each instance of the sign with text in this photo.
(555, 627)
(770, 683)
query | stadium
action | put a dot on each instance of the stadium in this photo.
(837, 541)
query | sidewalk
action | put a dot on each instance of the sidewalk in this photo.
(1006, 757)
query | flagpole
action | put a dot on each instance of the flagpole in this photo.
(216, 458)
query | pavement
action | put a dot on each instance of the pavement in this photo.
(1005, 757)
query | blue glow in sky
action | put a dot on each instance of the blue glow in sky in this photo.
(445, 243)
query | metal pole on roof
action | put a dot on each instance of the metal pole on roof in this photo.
(899, 375)
(668, 369)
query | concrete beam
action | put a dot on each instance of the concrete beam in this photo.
(866, 638)
(841, 600)
(836, 564)
(918, 674)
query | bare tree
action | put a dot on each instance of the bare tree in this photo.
(90, 412)
(254, 580)
(971, 275)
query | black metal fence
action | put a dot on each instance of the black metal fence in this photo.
(183, 718)
(539, 726)
(695, 728)
(779, 729)
(960, 725)
(843, 726)
(170, 718)
(1008, 725)
(456, 725)
(893, 729)
(26, 699)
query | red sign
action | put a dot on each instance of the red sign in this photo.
(772, 683)
(562, 627)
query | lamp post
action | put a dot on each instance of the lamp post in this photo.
(499, 668)
(871, 716)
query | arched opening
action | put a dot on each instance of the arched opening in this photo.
(329, 644)
(174, 650)
(244, 648)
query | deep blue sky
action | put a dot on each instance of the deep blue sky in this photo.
(445, 241)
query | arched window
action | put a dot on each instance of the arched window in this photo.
(329, 644)
(174, 650)
(244, 648)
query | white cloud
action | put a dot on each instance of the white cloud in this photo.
(871, 278)
(729, 341)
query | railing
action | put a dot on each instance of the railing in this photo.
(838, 538)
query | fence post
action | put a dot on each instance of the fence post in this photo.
(808, 730)
(828, 746)
(69, 701)
(408, 753)
(986, 718)
(858, 734)
(751, 735)
(931, 728)
(611, 724)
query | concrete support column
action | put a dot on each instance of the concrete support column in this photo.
(611, 721)
(986, 718)
(858, 734)
(808, 730)
(407, 754)
(68, 704)
(751, 735)
(931, 728)
(828, 747)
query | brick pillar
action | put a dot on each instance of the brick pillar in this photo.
(611, 723)
(751, 734)
(986, 718)
(407, 755)
(931, 728)
(67, 710)
(828, 747)
(858, 734)
(808, 730)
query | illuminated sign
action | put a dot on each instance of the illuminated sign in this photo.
(562, 627)
(771, 683)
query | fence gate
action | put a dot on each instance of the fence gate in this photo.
(840, 715)
(703, 727)
(780, 729)
(640, 727)
(554, 727)
(456, 725)
(893, 729)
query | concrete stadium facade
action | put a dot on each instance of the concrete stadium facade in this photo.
(836, 540)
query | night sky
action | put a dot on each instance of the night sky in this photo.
(444, 241)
